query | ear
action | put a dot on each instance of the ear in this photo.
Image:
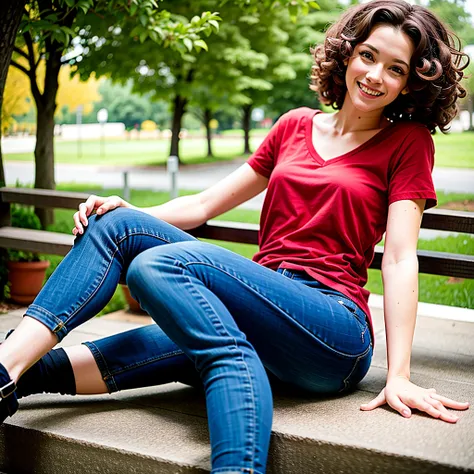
(345, 62)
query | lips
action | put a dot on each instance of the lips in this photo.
(369, 90)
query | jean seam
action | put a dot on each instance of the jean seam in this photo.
(354, 367)
(342, 354)
(145, 362)
(102, 278)
(107, 376)
(228, 469)
(214, 316)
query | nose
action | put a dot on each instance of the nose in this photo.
(374, 74)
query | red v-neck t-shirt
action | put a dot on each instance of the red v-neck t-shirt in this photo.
(325, 217)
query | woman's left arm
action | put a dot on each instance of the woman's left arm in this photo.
(400, 281)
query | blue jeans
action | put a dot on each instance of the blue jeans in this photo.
(221, 317)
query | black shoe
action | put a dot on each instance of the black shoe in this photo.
(8, 399)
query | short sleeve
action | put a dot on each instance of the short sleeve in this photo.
(264, 158)
(410, 176)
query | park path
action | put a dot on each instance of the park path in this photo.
(191, 177)
(199, 177)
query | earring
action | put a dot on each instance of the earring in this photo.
(405, 91)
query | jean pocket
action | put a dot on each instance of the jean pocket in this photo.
(359, 315)
(359, 370)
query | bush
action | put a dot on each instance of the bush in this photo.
(25, 218)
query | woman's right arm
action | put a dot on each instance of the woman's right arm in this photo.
(186, 212)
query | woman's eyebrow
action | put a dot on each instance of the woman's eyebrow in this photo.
(373, 48)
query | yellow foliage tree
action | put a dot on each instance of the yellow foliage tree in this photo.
(16, 98)
(72, 92)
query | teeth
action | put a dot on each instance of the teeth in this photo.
(369, 91)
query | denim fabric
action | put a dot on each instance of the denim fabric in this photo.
(220, 316)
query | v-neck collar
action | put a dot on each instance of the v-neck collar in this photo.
(317, 157)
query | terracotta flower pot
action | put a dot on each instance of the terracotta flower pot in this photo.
(133, 305)
(26, 280)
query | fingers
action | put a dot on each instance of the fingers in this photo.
(111, 203)
(85, 210)
(398, 404)
(379, 400)
(430, 404)
(78, 229)
(447, 402)
(438, 410)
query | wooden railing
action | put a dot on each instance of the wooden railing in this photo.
(436, 263)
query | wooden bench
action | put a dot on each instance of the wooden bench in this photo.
(436, 263)
(310, 434)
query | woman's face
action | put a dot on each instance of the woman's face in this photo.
(378, 70)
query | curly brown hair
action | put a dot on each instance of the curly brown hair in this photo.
(436, 66)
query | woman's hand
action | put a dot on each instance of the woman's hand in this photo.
(401, 395)
(95, 203)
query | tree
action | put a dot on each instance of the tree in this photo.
(10, 17)
(47, 32)
(178, 77)
(15, 99)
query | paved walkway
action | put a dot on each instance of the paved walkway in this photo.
(195, 177)
(199, 177)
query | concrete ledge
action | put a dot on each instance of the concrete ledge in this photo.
(164, 429)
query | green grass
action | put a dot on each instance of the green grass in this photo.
(452, 150)
(432, 289)
(461, 198)
(142, 152)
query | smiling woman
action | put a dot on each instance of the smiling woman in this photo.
(335, 184)
(408, 44)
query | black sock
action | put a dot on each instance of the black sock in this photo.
(52, 374)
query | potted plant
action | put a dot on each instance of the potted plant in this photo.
(26, 270)
(133, 304)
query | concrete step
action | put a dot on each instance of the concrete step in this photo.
(164, 429)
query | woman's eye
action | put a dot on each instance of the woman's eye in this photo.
(366, 54)
(398, 70)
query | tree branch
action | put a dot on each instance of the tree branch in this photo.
(20, 67)
(31, 58)
(31, 50)
(20, 52)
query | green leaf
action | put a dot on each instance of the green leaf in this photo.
(143, 36)
(70, 3)
(188, 43)
(201, 43)
(143, 19)
(293, 9)
(215, 24)
(314, 5)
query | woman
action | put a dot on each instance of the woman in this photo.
(335, 183)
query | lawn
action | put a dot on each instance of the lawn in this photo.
(143, 152)
(433, 289)
(453, 150)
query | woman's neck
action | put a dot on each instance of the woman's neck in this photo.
(350, 120)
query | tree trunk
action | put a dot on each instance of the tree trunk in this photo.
(247, 109)
(44, 150)
(207, 123)
(44, 157)
(179, 108)
(10, 16)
